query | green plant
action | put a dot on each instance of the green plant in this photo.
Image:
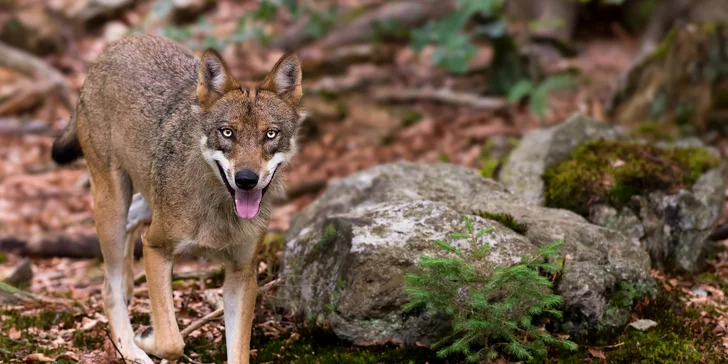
(454, 48)
(492, 311)
(537, 93)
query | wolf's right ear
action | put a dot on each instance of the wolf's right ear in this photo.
(213, 79)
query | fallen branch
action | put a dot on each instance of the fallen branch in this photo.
(11, 296)
(201, 322)
(220, 311)
(406, 14)
(80, 246)
(439, 95)
(317, 61)
(357, 78)
(32, 66)
(194, 274)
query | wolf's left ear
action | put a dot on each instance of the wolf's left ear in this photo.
(285, 79)
(213, 79)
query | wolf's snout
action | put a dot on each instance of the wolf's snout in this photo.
(246, 179)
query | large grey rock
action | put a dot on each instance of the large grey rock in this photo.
(543, 148)
(347, 253)
(673, 228)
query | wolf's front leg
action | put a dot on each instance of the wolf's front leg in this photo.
(239, 293)
(164, 340)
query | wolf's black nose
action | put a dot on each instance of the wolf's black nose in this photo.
(246, 179)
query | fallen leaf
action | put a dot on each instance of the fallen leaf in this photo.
(595, 352)
(89, 324)
(14, 334)
(38, 357)
(643, 325)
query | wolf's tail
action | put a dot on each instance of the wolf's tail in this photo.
(67, 148)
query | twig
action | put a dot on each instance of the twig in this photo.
(199, 323)
(195, 274)
(190, 359)
(612, 346)
(439, 95)
(220, 311)
(407, 14)
(123, 359)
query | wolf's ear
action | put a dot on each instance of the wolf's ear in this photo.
(213, 79)
(285, 79)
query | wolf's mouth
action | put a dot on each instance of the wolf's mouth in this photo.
(246, 204)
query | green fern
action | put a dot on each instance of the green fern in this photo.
(492, 312)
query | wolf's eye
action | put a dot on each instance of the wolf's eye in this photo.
(226, 132)
(271, 134)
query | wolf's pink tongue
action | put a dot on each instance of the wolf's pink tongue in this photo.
(247, 203)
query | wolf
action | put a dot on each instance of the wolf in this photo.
(206, 155)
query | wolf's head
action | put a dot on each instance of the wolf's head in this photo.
(250, 132)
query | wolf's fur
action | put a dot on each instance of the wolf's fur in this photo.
(149, 118)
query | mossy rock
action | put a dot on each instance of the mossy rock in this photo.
(613, 172)
(679, 337)
(665, 198)
(676, 83)
(351, 275)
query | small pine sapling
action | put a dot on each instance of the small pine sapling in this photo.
(492, 312)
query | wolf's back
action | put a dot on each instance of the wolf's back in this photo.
(136, 79)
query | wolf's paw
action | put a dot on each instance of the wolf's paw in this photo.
(132, 353)
(140, 356)
(170, 349)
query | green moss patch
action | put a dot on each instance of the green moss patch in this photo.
(679, 337)
(29, 342)
(311, 345)
(506, 219)
(612, 172)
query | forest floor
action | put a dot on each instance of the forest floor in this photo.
(44, 206)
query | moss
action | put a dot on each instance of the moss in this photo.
(679, 337)
(660, 53)
(655, 131)
(410, 117)
(507, 220)
(17, 349)
(87, 341)
(612, 172)
(328, 235)
(323, 347)
(311, 345)
(489, 167)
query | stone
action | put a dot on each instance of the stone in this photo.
(543, 148)
(347, 253)
(673, 226)
(677, 84)
(21, 274)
